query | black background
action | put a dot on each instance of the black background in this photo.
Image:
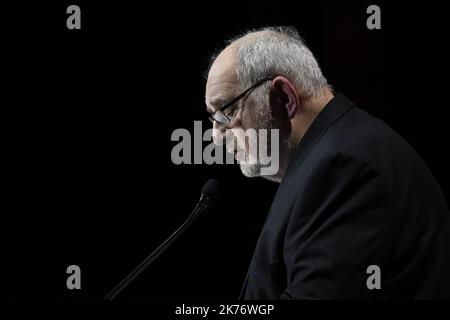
(87, 135)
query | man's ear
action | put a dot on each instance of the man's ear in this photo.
(283, 97)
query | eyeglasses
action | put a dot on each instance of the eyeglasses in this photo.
(223, 118)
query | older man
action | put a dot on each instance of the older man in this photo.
(357, 213)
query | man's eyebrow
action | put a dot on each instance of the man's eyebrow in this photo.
(217, 102)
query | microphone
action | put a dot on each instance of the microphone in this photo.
(209, 193)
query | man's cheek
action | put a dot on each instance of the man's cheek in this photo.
(218, 136)
(230, 141)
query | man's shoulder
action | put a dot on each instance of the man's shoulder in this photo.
(363, 137)
(358, 140)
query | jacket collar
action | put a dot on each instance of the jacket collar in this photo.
(331, 113)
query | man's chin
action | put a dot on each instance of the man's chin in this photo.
(254, 171)
(250, 170)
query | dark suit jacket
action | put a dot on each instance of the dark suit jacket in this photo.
(355, 194)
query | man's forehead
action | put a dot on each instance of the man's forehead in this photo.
(220, 85)
(220, 93)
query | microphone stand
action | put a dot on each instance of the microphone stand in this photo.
(202, 204)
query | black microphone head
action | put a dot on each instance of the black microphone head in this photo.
(211, 189)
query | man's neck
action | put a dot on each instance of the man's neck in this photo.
(308, 112)
(300, 124)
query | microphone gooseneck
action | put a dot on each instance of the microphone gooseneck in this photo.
(209, 194)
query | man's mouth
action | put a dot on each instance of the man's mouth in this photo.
(236, 151)
(238, 154)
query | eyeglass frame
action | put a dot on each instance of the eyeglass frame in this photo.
(233, 101)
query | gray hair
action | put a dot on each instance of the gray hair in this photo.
(277, 51)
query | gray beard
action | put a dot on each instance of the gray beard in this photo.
(265, 120)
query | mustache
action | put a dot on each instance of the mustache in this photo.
(233, 146)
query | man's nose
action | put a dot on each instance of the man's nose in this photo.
(218, 133)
